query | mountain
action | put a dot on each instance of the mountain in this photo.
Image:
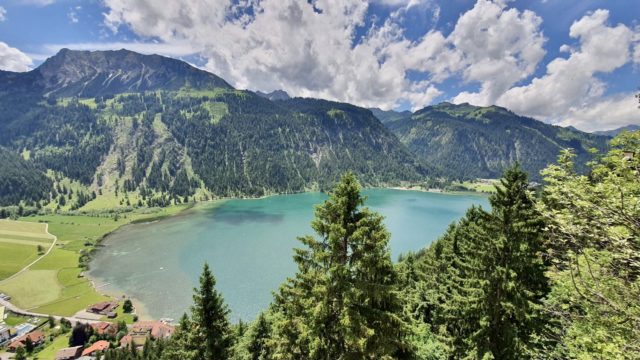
(274, 95)
(467, 141)
(614, 132)
(386, 116)
(118, 122)
(99, 73)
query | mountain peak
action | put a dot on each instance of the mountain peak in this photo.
(91, 73)
(274, 95)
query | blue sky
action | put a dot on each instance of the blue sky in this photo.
(561, 61)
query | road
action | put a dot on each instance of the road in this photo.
(9, 306)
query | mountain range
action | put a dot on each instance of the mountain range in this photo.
(114, 122)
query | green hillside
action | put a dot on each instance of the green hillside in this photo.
(467, 142)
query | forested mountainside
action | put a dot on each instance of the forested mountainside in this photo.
(122, 121)
(469, 142)
(21, 180)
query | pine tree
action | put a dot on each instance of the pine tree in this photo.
(210, 321)
(343, 302)
(496, 275)
(258, 336)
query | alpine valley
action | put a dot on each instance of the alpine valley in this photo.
(117, 122)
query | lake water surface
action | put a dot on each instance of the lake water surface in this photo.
(248, 244)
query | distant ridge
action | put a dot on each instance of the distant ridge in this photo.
(386, 116)
(467, 141)
(274, 95)
(617, 131)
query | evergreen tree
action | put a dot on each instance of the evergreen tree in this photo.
(497, 276)
(258, 336)
(210, 321)
(343, 302)
(20, 354)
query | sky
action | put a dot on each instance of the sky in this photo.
(565, 62)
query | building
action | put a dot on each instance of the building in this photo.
(105, 328)
(5, 334)
(24, 328)
(98, 346)
(156, 329)
(71, 353)
(37, 338)
(103, 308)
(141, 331)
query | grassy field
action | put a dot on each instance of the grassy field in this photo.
(13, 319)
(55, 285)
(480, 185)
(51, 349)
(19, 243)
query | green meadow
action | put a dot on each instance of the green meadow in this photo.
(19, 242)
(55, 284)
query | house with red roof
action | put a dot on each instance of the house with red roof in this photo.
(37, 338)
(104, 328)
(103, 308)
(98, 346)
(143, 330)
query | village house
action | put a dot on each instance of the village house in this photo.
(103, 308)
(98, 346)
(37, 338)
(70, 353)
(104, 328)
(142, 330)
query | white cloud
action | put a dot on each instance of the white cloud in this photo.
(499, 47)
(12, 59)
(3, 14)
(570, 86)
(73, 16)
(609, 113)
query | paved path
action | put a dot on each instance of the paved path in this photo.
(9, 306)
(55, 239)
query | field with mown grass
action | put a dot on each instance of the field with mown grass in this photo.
(19, 242)
(55, 285)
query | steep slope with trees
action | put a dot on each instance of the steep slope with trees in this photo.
(21, 180)
(468, 142)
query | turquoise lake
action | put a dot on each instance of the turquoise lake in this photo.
(248, 244)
